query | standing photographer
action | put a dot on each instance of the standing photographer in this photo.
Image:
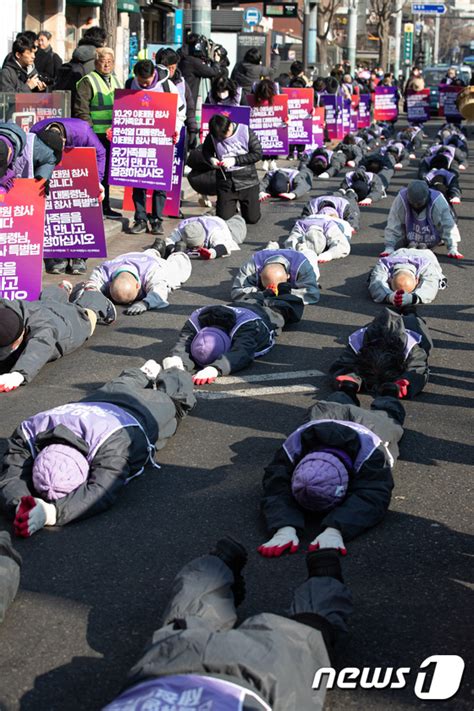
(195, 63)
(47, 62)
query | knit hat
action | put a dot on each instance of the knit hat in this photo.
(278, 183)
(361, 188)
(418, 193)
(11, 326)
(194, 234)
(318, 163)
(59, 469)
(315, 237)
(321, 478)
(209, 344)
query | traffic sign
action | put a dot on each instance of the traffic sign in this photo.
(252, 16)
(408, 43)
(423, 9)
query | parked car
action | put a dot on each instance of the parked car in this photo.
(433, 76)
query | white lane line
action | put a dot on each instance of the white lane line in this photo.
(290, 375)
(254, 392)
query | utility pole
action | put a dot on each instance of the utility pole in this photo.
(352, 33)
(398, 37)
(313, 34)
(436, 39)
(201, 17)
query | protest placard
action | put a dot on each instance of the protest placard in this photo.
(30, 108)
(363, 120)
(74, 226)
(270, 123)
(300, 109)
(447, 102)
(418, 106)
(21, 240)
(141, 153)
(237, 114)
(385, 103)
(346, 116)
(333, 106)
(318, 120)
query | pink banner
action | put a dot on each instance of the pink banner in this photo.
(385, 103)
(270, 123)
(74, 226)
(21, 240)
(237, 114)
(300, 111)
(142, 149)
(318, 127)
(363, 120)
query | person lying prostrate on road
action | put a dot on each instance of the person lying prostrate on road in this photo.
(389, 356)
(368, 187)
(398, 152)
(325, 234)
(439, 156)
(279, 270)
(322, 162)
(380, 163)
(141, 280)
(339, 462)
(10, 564)
(72, 462)
(208, 236)
(412, 137)
(223, 339)
(285, 183)
(420, 217)
(33, 333)
(353, 147)
(346, 206)
(406, 277)
(446, 182)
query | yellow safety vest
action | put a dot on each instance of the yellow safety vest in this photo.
(102, 100)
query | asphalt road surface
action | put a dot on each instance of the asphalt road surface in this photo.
(92, 592)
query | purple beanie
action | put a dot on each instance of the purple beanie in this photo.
(58, 470)
(209, 344)
(320, 479)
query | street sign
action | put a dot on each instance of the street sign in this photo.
(426, 9)
(252, 16)
(283, 9)
(408, 43)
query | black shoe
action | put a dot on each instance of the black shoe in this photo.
(324, 563)
(110, 214)
(160, 246)
(156, 227)
(110, 314)
(232, 553)
(55, 266)
(77, 266)
(180, 246)
(350, 389)
(389, 390)
(138, 227)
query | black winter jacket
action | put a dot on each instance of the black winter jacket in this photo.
(240, 179)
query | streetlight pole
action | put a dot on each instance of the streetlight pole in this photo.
(201, 17)
(352, 33)
(398, 37)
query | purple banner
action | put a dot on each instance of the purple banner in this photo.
(173, 197)
(333, 105)
(418, 106)
(318, 127)
(237, 114)
(21, 240)
(270, 123)
(346, 116)
(385, 103)
(300, 111)
(74, 226)
(447, 101)
(354, 120)
(141, 153)
(363, 119)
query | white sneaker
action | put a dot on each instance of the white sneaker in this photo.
(273, 165)
(204, 201)
(272, 245)
(151, 369)
(265, 165)
(324, 176)
(173, 362)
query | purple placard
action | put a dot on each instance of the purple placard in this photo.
(173, 197)
(21, 240)
(318, 127)
(346, 116)
(270, 123)
(300, 109)
(363, 119)
(418, 106)
(354, 120)
(237, 114)
(385, 103)
(333, 105)
(142, 149)
(447, 102)
(74, 226)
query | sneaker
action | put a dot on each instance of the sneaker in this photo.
(55, 266)
(272, 245)
(151, 369)
(156, 227)
(273, 165)
(180, 246)
(77, 266)
(110, 214)
(138, 227)
(111, 313)
(159, 245)
(324, 563)
(324, 176)
(265, 165)
(66, 285)
(232, 553)
(204, 201)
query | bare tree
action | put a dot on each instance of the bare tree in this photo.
(326, 11)
(108, 21)
(383, 10)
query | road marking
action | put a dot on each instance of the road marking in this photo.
(290, 375)
(255, 392)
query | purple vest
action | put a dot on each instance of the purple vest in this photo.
(295, 260)
(94, 422)
(447, 151)
(321, 221)
(320, 151)
(24, 166)
(235, 145)
(419, 261)
(339, 204)
(446, 174)
(349, 175)
(421, 230)
(181, 87)
(358, 140)
(393, 144)
(142, 263)
(288, 171)
(186, 692)
(368, 441)
(356, 340)
(209, 222)
(242, 316)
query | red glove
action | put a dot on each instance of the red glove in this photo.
(20, 524)
(206, 253)
(206, 375)
(175, 138)
(285, 539)
(272, 287)
(455, 255)
(348, 379)
(402, 387)
(109, 134)
(398, 301)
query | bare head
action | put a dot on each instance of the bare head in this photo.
(404, 281)
(124, 288)
(105, 60)
(274, 273)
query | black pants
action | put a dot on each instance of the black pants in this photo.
(157, 204)
(227, 199)
(106, 143)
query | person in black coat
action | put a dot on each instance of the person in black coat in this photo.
(47, 62)
(250, 70)
(194, 64)
(18, 74)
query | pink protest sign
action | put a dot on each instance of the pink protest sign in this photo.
(141, 153)
(363, 119)
(385, 103)
(300, 110)
(447, 102)
(318, 127)
(31, 108)
(270, 123)
(237, 114)
(74, 227)
(21, 240)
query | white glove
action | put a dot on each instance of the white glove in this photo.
(462, 167)
(101, 192)
(324, 176)
(366, 201)
(284, 539)
(455, 201)
(350, 164)
(10, 381)
(206, 375)
(42, 514)
(288, 196)
(398, 166)
(228, 162)
(151, 369)
(215, 162)
(173, 362)
(391, 297)
(329, 538)
(263, 196)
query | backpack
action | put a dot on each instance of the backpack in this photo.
(68, 76)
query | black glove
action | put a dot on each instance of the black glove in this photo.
(192, 141)
(139, 307)
(284, 288)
